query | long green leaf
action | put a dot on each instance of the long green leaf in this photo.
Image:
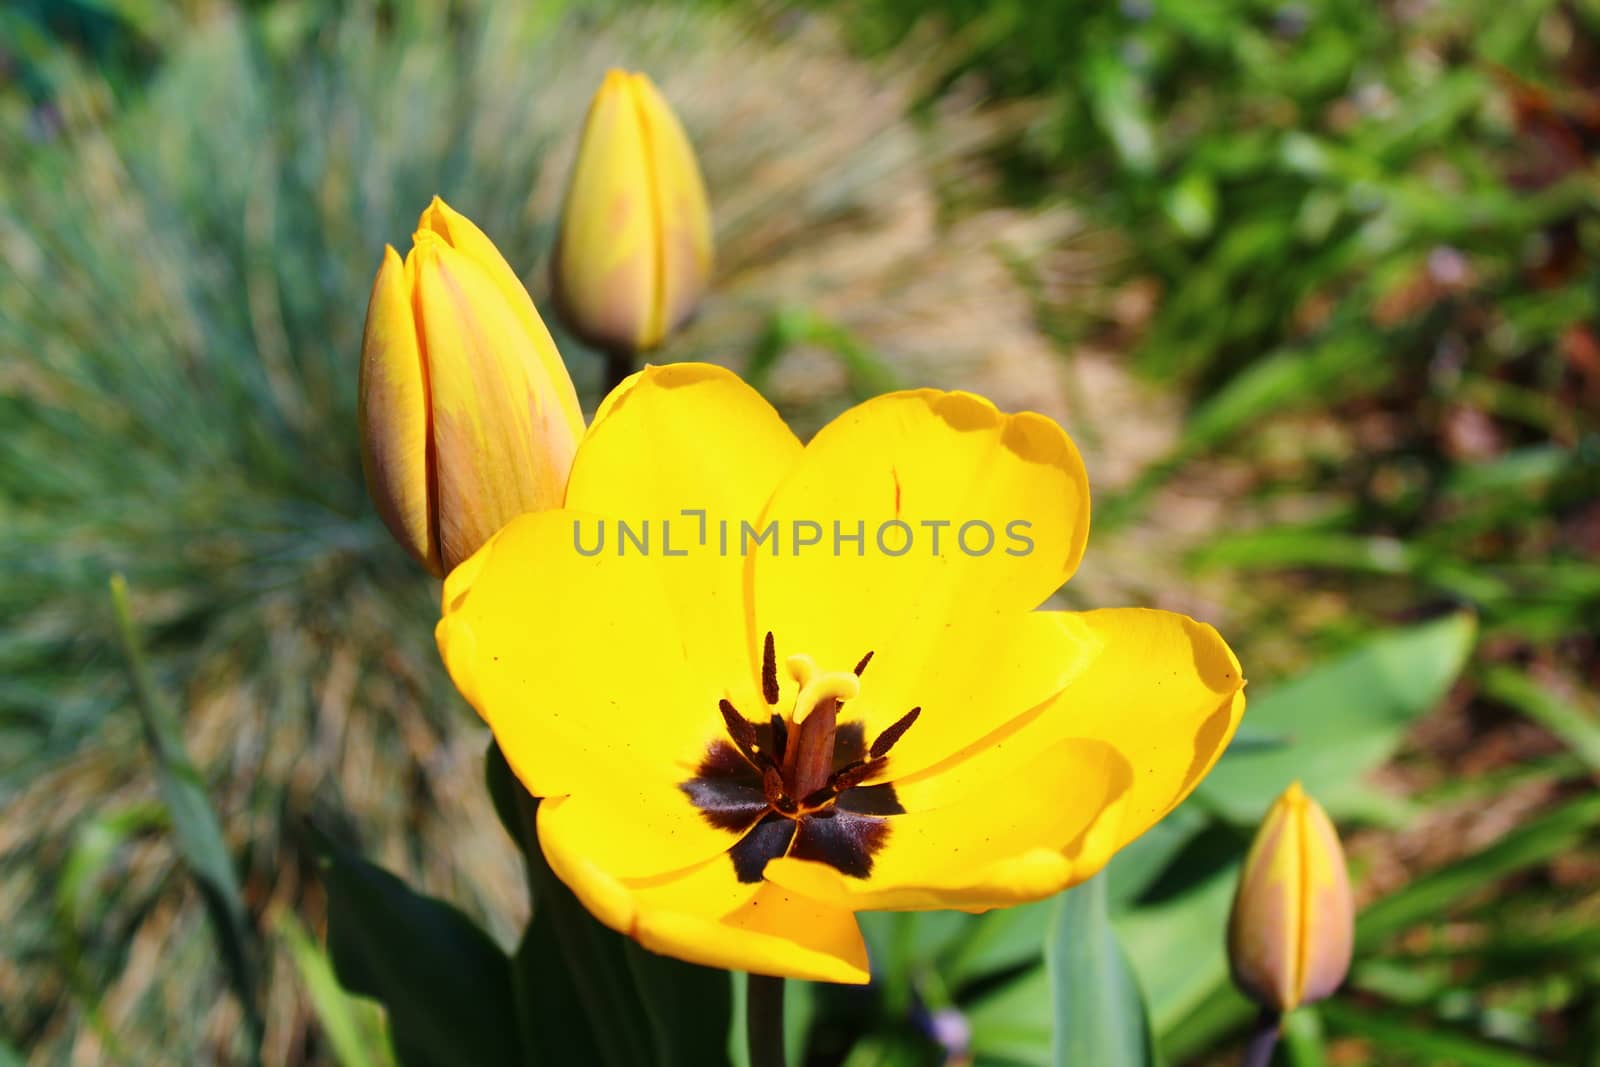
(95, 848)
(1575, 725)
(1424, 1042)
(1099, 1011)
(351, 1041)
(1341, 720)
(1527, 846)
(195, 828)
(1189, 927)
(447, 987)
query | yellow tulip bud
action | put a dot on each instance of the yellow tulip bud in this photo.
(634, 254)
(468, 416)
(1291, 931)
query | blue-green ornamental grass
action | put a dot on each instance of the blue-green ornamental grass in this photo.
(1348, 250)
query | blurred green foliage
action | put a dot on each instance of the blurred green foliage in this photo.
(1263, 154)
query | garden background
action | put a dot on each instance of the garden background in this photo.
(1313, 285)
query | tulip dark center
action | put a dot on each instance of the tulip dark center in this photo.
(792, 786)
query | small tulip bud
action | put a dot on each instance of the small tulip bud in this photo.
(1291, 931)
(634, 253)
(468, 416)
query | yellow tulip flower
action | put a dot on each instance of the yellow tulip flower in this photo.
(635, 249)
(797, 682)
(468, 415)
(1293, 922)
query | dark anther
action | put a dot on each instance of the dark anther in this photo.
(773, 789)
(854, 774)
(886, 740)
(863, 664)
(742, 730)
(780, 738)
(769, 670)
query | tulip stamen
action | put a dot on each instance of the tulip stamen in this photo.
(769, 670)
(742, 731)
(896, 730)
(793, 785)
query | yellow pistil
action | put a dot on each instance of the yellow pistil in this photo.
(818, 686)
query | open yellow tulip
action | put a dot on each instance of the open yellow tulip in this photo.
(468, 415)
(739, 747)
(635, 248)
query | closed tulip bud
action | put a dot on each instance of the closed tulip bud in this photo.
(634, 253)
(1291, 931)
(468, 416)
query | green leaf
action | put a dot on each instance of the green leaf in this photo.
(1578, 726)
(552, 1017)
(1015, 1023)
(196, 831)
(1144, 860)
(1099, 1011)
(353, 1042)
(447, 987)
(1341, 719)
(80, 890)
(1186, 926)
(1427, 1041)
(888, 1050)
(1528, 845)
(689, 1008)
(1002, 940)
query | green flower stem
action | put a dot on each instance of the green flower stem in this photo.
(1263, 1039)
(764, 1005)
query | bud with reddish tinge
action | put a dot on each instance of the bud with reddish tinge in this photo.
(468, 416)
(634, 253)
(1293, 922)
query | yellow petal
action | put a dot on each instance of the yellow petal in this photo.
(1160, 688)
(606, 261)
(394, 414)
(575, 662)
(945, 623)
(503, 445)
(642, 827)
(1166, 692)
(689, 436)
(973, 677)
(703, 914)
(550, 378)
(1328, 940)
(683, 212)
(1041, 821)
